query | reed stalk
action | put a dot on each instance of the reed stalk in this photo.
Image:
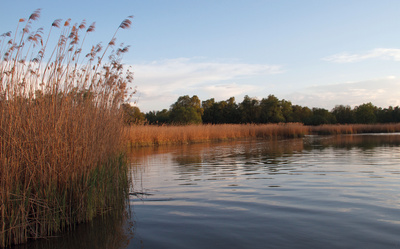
(60, 132)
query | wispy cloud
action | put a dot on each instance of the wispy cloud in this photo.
(225, 91)
(381, 92)
(378, 53)
(161, 82)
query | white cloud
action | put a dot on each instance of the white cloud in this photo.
(378, 53)
(225, 91)
(381, 92)
(160, 83)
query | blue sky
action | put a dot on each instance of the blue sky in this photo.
(314, 53)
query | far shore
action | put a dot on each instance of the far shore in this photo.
(152, 135)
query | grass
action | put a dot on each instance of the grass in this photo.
(60, 131)
(151, 135)
(355, 129)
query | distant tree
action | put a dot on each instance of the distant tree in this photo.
(222, 112)
(343, 114)
(396, 114)
(132, 114)
(208, 111)
(286, 109)
(320, 116)
(270, 110)
(186, 110)
(231, 111)
(249, 110)
(158, 117)
(301, 114)
(365, 113)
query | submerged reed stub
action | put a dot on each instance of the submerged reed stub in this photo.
(60, 130)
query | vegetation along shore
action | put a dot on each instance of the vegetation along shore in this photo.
(190, 120)
(60, 130)
(152, 135)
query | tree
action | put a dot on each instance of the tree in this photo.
(320, 116)
(365, 113)
(231, 111)
(186, 110)
(132, 114)
(271, 111)
(158, 117)
(222, 112)
(286, 109)
(208, 111)
(249, 110)
(343, 114)
(301, 114)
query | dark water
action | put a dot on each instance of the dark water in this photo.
(315, 192)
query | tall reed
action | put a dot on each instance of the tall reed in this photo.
(148, 135)
(60, 130)
(355, 128)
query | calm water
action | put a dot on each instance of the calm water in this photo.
(315, 192)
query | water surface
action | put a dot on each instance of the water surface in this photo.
(314, 192)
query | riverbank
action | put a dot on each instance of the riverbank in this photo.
(152, 135)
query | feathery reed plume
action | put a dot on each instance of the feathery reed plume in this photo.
(125, 24)
(60, 133)
(35, 15)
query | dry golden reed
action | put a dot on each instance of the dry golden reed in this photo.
(148, 135)
(60, 130)
(355, 129)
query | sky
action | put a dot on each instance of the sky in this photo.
(313, 53)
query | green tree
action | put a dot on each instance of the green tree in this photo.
(249, 110)
(208, 111)
(158, 117)
(286, 109)
(365, 113)
(270, 110)
(301, 114)
(320, 116)
(132, 114)
(343, 114)
(186, 110)
(231, 111)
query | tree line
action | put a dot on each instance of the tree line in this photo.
(191, 110)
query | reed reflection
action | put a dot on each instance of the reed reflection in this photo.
(362, 141)
(218, 161)
(114, 230)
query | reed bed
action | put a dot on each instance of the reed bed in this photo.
(149, 135)
(60, 131)
(355, 129)
(152, 135)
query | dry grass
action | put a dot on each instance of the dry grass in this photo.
(60, 132)
(355, 129)
(148, 135)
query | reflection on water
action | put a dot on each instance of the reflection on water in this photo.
(113, 231)
(314, 192)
